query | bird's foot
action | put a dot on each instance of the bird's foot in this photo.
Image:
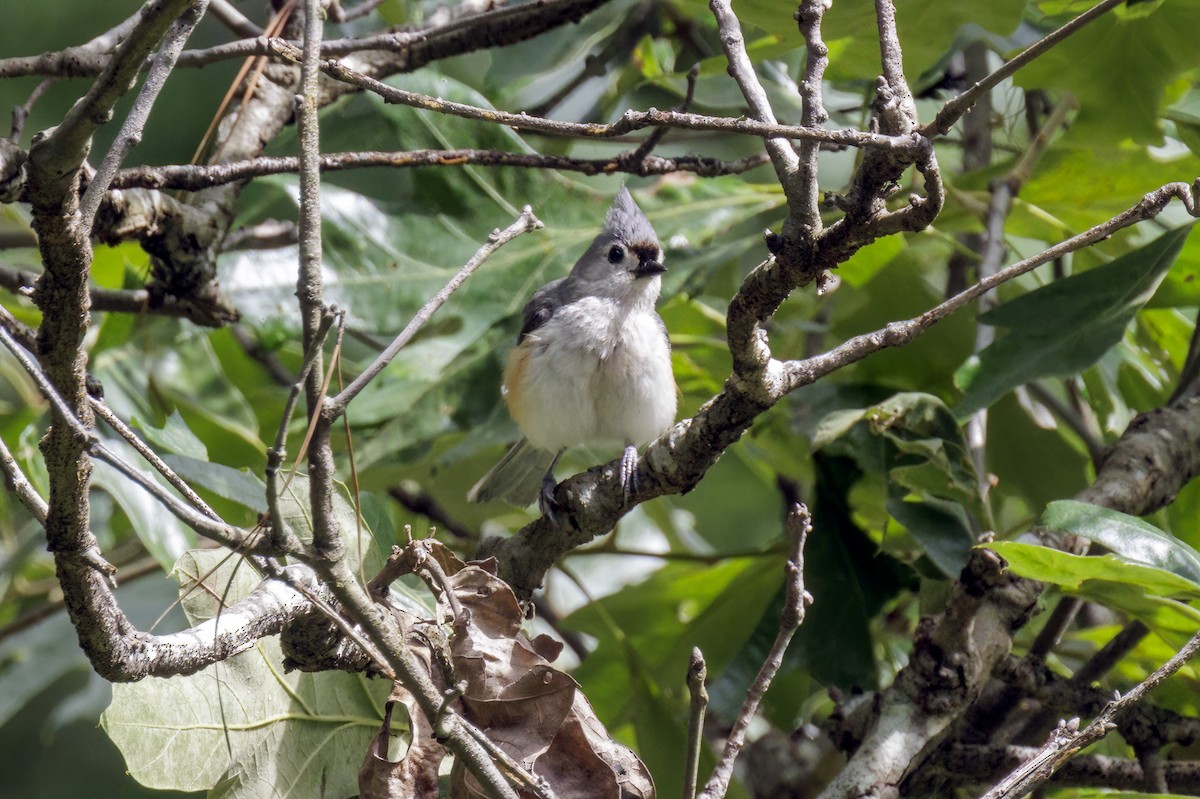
(547, 504)
(629, 464)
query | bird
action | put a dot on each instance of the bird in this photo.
(592, 363)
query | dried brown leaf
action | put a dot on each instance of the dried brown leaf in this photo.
(532, 711)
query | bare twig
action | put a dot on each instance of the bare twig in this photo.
(360, 10)
(123, 430)
(1094, 668)
(639, 153)
(698, 695)
(215, 529)
(797, 373)
(136, 301)
(525, 223)
(233, 19)
(16, 482)
(135, 121)
(1071, 417)
(1004, 191)
(422, 502)
(405, 50)
(802, 207)
(813, 114)
(963, 765)
(630, 120)
(263, 355)
(66, 63)
(1068, 739)
(799, 525)
(955, 108)
(193, 178)
(21, 112)
(327, 538)
(266, 235)
(283, 536)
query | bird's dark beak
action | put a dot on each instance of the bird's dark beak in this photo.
(649, 269)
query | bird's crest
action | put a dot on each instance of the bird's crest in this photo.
(627, 222)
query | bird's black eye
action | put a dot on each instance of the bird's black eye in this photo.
(616, 254)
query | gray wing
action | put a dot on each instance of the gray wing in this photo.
(542, 306)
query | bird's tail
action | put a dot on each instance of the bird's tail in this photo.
(517, 478)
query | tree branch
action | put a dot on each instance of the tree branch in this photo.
(525, 223)
(131, 129)
(799, 525)
(193, 178)
(802, 207)
(794, 374)
(953, 110)
(630, 121)
(1068, 740)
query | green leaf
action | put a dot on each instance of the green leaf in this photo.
(243, 724)
(1071, 572)
(1128, 536)
(236, 485)
(1063, 328)
(927, 455)
(928, 29)
(165, 537)
(647, 631)
(1181, 287)
(174, 436)
(942, 528)
(1155, 596)
(1125, 60)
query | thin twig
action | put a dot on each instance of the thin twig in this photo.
(955, 108)
(639, 153)
(360, 10)
(135, 121)
(257, 351)
(813, 114)
(197, 177)
(217, 530)
(61, 63)
(17, 483)
(896, 334)
(327, 539)
(422, 502)
(21, 112)
(20, 281)
(1094, 668)
(629, 122)
(1071, 417)
(525, 223)
(278, 451)
(233, 19)
(150, 456)
(741, 69)
(697, 705)
(1068, 740)
(799, 525)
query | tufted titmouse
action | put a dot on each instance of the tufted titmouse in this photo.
(592, 362)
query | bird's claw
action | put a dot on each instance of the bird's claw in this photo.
(629, 464)
(547, 504)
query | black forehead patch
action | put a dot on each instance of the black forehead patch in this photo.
(644, 250)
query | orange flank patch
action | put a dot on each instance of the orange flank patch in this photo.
(514, 381)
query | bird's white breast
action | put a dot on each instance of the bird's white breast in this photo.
(595, 373)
